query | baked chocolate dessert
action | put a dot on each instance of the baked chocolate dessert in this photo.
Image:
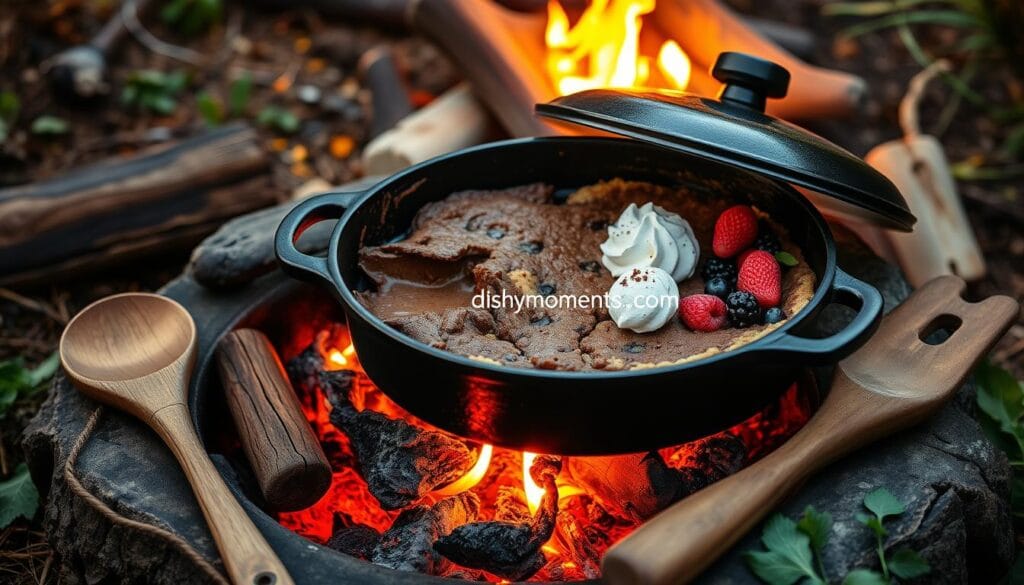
(531, 242)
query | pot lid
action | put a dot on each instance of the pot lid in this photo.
(735, 130)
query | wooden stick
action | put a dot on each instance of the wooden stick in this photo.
(705, 28)
(289, 464)
(124, 207)
(391, 101)
(494, 47)
(453, 121)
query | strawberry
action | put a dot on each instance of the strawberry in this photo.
(735, 231)
(703, 312)
(743, 256)
(761, 276)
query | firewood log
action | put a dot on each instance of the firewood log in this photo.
(116, 210)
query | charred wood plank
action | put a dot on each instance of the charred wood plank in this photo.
(400, 462)
(409, 544)
(352, 538)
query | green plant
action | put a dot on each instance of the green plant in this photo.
(794, 549)
(155, 91)
(10, 105)
(17, 381)
(18, 497)
(49, 126)
(211, 107)
(191, 17)
(278, 119)
(990, 31)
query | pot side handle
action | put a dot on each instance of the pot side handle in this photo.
(859, 296)
(307, 213)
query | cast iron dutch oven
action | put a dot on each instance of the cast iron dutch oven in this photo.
(727, 147)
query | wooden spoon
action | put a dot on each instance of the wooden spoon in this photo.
(896, 380)
(135, 351)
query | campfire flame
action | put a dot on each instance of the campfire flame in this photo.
(533, 491)
(340, 359)
(603, 48)
(472, 477)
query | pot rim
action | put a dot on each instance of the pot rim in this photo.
(352, 305)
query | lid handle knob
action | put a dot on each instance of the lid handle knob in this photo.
(748, 80)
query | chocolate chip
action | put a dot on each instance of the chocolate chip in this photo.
(495, 233)
(598, 225)
(473, 223)
(546, 289)
(531, 247)
(591, 266)
(541, 321)
(634, 347)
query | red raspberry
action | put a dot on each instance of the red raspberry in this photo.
(761, 276)
(735, 231)
(703, 312)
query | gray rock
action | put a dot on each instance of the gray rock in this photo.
(955, 483)
(243, 248)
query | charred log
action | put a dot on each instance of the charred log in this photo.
(358, 541)
(400, 462)
(409, 544)
(510, 550)
(576, 546)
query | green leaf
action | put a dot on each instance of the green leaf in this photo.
(788, 558)
(18, 497)
(951, 18)
(17, 381)
(1001, 398)
(786, 259)
(882, 503)
(907, 564)
(817, 526)
(238, 94)
(10, 105)
(44, 371)
(210, 109)
(49, 126)
(864, 577)
(279, 119)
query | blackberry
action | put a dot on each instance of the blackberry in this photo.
(767, 240)
(717, 286)
(719, 268)
(743, 309)
(774, 315)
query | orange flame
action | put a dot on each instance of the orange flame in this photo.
(533, 491)
(472, 477)
(603, 48)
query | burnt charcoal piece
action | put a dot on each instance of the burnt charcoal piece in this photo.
(510, 505)
(635, 486)
(577, 547)
(399, 462)
(409, 544)
(721, 455)
(357, 541)
(510, 550)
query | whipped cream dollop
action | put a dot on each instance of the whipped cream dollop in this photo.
(643, 299)
(651, 236)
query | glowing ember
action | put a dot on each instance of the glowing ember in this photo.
(603, 48)
(472, 477)
(533, 491)
(338, 360)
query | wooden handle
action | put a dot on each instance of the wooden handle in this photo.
(894, 381)
(248, 558)
(289, 463)
(110, 211)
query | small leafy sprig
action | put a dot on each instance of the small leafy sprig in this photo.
(794, 549)
(19, 497)
(156, 91)
(17, 381)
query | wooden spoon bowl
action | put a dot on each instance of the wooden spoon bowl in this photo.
(135, 351)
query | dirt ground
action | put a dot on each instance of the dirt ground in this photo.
(284, 52)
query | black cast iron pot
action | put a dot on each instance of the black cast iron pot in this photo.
(574, 412)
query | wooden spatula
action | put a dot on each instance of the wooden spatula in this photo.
(896, 380)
